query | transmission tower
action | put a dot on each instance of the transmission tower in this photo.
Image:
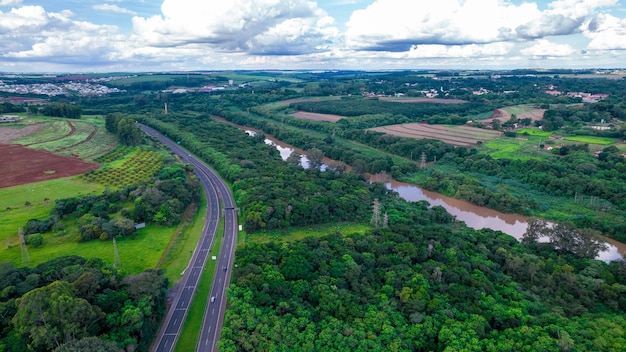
(386, 220)
(117, 262)
(376, 214)
(423, 162)
(25, 256)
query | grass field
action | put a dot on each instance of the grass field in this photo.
(512, 148)
(142, 250)
(137, 253)
(14, 213)
(533, 132)
(591, 140)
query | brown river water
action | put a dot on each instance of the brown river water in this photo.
(474, 216)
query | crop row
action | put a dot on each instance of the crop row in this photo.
(139, 166)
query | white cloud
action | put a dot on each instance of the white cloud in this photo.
(397, 25)
(460, 51)
(543, 48)
(10, 2)
(606, 32)
(113, 8)
(261, 26)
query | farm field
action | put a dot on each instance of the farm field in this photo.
(520, 111)
(464, 136)
(124, 166)
(317, 117)
(591, 140)
(21, 165)
(85, 138)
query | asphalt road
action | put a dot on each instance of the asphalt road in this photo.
(215, 189)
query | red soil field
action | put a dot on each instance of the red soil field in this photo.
(317, 117)
(20, 165)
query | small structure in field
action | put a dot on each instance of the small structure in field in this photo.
(9, 118)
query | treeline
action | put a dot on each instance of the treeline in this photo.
(357, 106)
(67, 110)
(162, 201)
(74, 304)
(271, 193)
(7, 107)
(421, 285)
(123, 126)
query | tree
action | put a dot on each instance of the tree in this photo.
(128, 133)
(91, 344)
(111, 121)
(52, 315)
(315, 157)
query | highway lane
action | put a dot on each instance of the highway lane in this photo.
(215, 189)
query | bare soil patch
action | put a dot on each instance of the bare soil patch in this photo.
(20, 165)
(9, 134)
(317, 117)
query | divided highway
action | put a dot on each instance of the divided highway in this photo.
(215, 189)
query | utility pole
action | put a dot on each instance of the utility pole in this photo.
(117, 262)
(376, 214)
(25, 256)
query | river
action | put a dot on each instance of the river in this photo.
(474, 216)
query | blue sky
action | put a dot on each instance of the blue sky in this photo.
(160, 35)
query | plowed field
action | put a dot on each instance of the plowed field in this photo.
(464, 136)
(20, 165)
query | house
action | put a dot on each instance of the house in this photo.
(9, 118)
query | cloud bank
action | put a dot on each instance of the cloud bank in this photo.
(197, 34)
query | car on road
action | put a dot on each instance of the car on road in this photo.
(224, 268)
(212, 299)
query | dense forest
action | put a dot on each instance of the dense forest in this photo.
(77, 304)
(422, 284)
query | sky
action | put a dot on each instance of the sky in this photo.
(189, 35)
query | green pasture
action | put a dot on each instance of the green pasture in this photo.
(41, 195)
(483, 116)
(50, 130)
(137, 253)
(512, 148)
(591, 140)
(533, 132)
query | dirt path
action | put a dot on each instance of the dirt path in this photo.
(71, 132)
(89, 137)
